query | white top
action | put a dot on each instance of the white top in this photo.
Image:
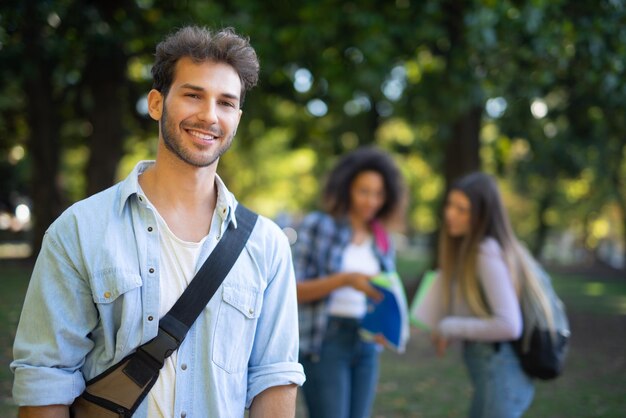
(178, 260)
(505, 322)
(346, 301)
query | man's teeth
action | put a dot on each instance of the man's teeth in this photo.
(202, 136)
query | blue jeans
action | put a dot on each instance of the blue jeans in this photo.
(501, 388)
(341, 383)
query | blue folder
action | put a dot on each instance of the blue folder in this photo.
(388, 317)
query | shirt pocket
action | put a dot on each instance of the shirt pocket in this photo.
(117, 295)
(108, 285)
(239, 311)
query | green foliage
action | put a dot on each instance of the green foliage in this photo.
(398, 74)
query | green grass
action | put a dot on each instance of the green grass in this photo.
(592, 294)
(418, 384)
(13, 283)
(411, 267)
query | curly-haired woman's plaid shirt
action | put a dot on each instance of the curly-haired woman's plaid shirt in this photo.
(318, 252)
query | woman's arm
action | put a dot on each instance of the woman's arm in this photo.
(505, 322)
(315, 289)
(316, 234)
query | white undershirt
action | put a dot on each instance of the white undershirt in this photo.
(347, 301)
(177, 261)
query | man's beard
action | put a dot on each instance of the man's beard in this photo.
(174, 143)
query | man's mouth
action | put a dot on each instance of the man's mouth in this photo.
(202, 135)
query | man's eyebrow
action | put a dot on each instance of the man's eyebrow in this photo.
(200, 89)
(192, 87)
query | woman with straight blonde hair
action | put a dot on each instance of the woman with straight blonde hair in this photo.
(482, 269)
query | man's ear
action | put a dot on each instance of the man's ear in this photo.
(155, 104)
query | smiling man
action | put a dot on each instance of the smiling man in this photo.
(114, 263)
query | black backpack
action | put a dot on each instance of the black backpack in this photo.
(542, 351)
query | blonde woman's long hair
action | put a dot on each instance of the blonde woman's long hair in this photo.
(458, 255)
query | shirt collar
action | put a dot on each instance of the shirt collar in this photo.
(226, 202)
(130, 185)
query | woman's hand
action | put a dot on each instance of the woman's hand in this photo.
(362, 283)
(440, 343)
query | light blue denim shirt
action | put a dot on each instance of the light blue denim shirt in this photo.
(94, 297)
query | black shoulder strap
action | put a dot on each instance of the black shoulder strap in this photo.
(174, 325)
(214, 269)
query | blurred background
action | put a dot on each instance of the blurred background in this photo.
(531, 91)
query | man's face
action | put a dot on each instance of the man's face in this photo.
(201, 112)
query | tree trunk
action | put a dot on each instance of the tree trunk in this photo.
(106, 80)
(44, 136)
(620, 189)
(542, 227)
(44, 148)
(462, 153)
(462, 156)
(623, 208)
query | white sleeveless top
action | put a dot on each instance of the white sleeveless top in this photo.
(346, 301)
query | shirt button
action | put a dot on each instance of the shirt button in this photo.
(183, 414)
(217, 237)
(107, 294)
(183, 366)
(150, 318)
(149, 229)
(251, 311)
(151, 270)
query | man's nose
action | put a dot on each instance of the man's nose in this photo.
(208, 113)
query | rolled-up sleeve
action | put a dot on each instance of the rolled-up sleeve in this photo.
(51, 340)
(274, 357)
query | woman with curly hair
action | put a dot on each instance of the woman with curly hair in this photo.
(337, 252)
